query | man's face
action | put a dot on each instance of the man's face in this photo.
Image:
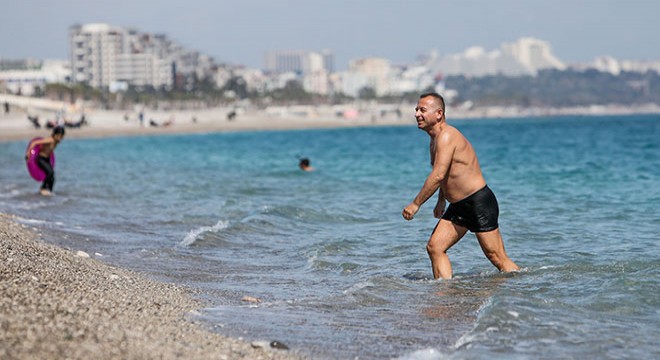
(427, 113)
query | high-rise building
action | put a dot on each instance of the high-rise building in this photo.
(93, 53)
(532, 54)
(328, 60)
(299, 61)
(102, 55)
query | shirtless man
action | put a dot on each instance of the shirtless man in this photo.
(47, 146)
(457, 176)
(305, 165)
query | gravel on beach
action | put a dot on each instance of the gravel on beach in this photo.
(56, 304)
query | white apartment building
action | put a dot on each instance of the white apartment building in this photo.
(26, 82)
(93, 53)
(526, 56)
(317, 82)
(102, 55)
(144, 70)
(615, 67)
(375, 73)
(532, 54)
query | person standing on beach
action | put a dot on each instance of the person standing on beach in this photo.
(457, 177)
(48, 145)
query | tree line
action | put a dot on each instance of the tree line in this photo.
(554, 88)
(550, 88)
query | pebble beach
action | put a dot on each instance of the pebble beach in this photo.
(62, 304)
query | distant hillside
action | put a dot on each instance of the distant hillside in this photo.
(555, 88)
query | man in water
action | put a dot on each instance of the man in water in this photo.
(305, 165)
(457, 177)
(48, 145)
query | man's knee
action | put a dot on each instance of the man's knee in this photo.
(434, 250)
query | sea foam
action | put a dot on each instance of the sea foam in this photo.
(193, 235)
(424, 354)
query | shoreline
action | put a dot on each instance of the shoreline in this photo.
(106, 124)
(15, 126)
(59, 304)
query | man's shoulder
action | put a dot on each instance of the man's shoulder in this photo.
(448, 133)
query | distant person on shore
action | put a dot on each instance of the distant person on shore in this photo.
(35, 121)
(457, 177)
(6, 107)
(305, 165)
(48, 145)
(78, 124)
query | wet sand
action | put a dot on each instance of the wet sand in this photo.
(57, 304)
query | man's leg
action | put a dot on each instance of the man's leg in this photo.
(493, 247)
(444, 236)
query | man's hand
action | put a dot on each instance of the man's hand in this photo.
(410, 211)
(439, 208)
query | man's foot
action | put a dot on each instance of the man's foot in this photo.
(45, 192)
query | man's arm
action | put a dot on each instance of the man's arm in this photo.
(440, 205)
(444, 152)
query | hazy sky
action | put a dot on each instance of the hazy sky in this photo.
(241, 31)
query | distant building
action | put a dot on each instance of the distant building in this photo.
(372, 73)
(31, 76)
(328, 61)
(532, 54)
(615, 67)
(299, 61)
(93, 53)
(317, 82)
(526, 56)
(102, 55)
(19, 64)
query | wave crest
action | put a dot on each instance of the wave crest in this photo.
(193, 235)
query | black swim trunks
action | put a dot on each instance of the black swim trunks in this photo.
(477, 212)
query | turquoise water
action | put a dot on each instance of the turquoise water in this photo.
(339, 272)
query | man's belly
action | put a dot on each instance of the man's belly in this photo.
(457, 190)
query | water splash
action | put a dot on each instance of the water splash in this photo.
(193, 235)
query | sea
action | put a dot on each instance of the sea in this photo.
(329, 266)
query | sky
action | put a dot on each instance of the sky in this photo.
(242, 31)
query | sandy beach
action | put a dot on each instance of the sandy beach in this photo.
(59, 304)
(15, 125)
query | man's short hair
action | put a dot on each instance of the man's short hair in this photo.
(437, 96)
